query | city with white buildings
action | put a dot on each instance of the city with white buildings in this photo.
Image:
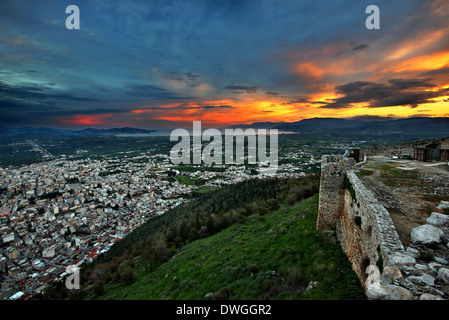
(64, 212)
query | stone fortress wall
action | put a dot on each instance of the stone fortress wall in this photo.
(399, 150)
(368, 237)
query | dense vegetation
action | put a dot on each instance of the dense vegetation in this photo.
(211, 213)
(278, 255)
(221, 242)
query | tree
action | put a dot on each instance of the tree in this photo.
(127, 276)
(273, 204)
(98, 287)
(177, 242)
(355, 154)
(150, 258)
(102, 272)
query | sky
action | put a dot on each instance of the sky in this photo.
(163, 64)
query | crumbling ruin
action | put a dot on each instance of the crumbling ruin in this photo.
(368, 236)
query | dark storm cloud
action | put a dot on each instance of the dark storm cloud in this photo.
(242, 88)
(186, 106)
(397, 92)
(215, 107)
(6, 104)
(186, 77)
(367, 117)
(15, 95)
(32, 71)
(124, 55)
(304, 100)
(298, 100)
(361, 47)
(404, 84)
(438, 75)
(442, 71)
(151, 91)
(272, 93)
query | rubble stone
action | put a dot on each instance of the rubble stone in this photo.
(428, 296)
(368, 237)
(443, 274)
(426, 234)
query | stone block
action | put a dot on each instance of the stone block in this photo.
(391, 274)
(426, 234)
(412, 252)
(443, 275)
(438, 219)
(428, 296)
(401, 259)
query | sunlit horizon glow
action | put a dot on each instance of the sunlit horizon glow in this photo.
(154, 64)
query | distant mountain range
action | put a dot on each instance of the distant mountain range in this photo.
(258, 125)
(416, 125)
(381, 125)
(84, 132)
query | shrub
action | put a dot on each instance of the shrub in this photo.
(102, 272)
(223, 294)
(291, 199)
(293, 278)
(271, 288)
(252, 268)
(355, 154)
(127, 276)
(98, 288)
(366, 172)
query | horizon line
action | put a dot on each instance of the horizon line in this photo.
(366, 118)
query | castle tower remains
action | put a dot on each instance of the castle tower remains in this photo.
(333, 170)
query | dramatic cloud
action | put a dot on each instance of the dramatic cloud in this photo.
(158, 62)
(299, 100)
(153, 92)
(241, 88)
(372, 118)
(361, 47)
(215, 107)
(186, 77)
(22, 96)
(397, 92)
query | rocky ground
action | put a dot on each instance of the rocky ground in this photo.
(416, 195)
(409, 190)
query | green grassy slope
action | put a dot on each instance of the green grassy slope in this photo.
(279, 255)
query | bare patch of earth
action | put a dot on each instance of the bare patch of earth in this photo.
(409, 190)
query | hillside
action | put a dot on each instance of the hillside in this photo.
(320, 123)
(27, 131)
(256, 239)
(278, 255)
(417, 125)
